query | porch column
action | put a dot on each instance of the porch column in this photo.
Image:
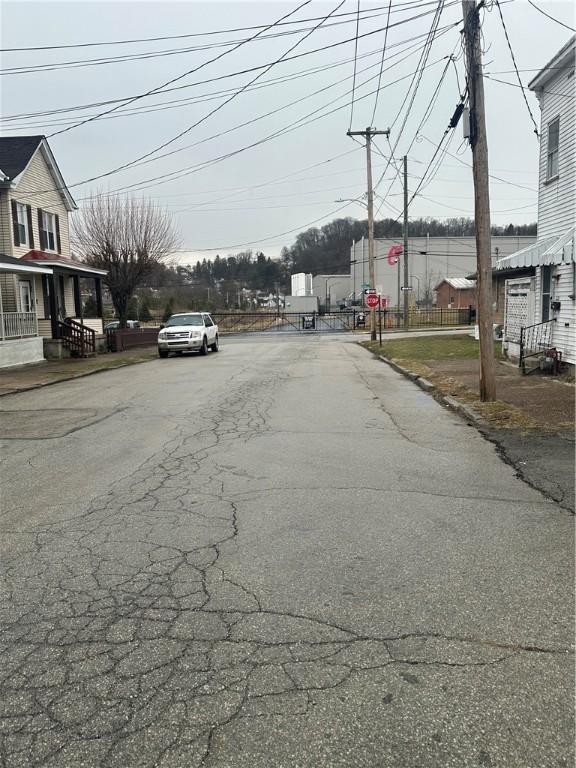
(98, 289)
(53, 302)
(35, 303)
(77, 296)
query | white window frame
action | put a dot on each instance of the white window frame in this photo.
(553, 153)
(49, 227)
(22, 220)
(26, 288)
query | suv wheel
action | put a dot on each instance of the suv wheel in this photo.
(216, 346)
(162, 353)
(204, 347)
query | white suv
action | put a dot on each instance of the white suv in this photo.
(186, 332)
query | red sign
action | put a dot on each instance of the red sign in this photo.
(383, 302)
(394, 255)
(372, 300)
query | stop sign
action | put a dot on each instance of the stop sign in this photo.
(372, 300)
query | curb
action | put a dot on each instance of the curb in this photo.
(43, 384)
(450, 402)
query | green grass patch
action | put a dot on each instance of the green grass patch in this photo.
(460, 347)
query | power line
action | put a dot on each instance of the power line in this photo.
(227, 101)
(216, 79)
(381, 62)
(180, 77)
(516, 69)
(551, 17)
(145, 55)
(355, 59)
(163, 178)
(193, 34)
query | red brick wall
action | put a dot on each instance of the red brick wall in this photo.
(461, 299)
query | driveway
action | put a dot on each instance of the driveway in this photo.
(284, 555)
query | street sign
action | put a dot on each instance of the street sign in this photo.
(406, 288)
(365, 285)
(368, 291)
(372, 300)
(383, 302)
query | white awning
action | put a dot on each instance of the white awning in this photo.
(548, 250)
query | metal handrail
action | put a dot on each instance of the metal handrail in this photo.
(535, 339)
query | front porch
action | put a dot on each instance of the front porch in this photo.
(61, 319)
(20, 341)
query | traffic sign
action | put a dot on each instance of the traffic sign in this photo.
(372, 300)
(370, 290)
(383, 302)
(406, 288)
(365, 285)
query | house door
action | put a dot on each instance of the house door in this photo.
(25, 296)
(519, 311)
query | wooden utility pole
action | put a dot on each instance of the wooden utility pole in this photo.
(368, 134)
(479, 145)
(405, 249)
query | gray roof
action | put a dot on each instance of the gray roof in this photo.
(16, 152)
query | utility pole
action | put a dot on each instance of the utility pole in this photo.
(368, 134)
(405, 250)
(479, 145)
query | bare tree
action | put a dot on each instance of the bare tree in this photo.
(127, 237)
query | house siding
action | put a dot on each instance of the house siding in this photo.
(36, 188)
(557, 201)
(9, 296)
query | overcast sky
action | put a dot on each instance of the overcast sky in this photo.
(263, 195)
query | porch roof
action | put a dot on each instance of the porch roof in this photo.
(61, 262)
(546, 251)
(10, 264)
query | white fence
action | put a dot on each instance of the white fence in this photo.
(18, 325)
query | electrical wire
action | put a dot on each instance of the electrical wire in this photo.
(381, 62)
(536, 131)
(127, 58)
(400, 7)
(224, 103)
(180, 77)
(551, 17)
(214, 79)
(355, 60)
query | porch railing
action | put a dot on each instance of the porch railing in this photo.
(534, 340)
(78, 338)
(18, 325)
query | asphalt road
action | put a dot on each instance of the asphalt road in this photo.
(282, 556)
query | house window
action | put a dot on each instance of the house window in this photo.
(48, 231)
(22, 224)
(553, 146)
(546, 283)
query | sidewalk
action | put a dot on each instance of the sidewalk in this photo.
(24, 377)
(532, 422)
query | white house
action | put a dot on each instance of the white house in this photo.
(541, 279)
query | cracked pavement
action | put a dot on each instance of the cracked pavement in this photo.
(285, 555)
